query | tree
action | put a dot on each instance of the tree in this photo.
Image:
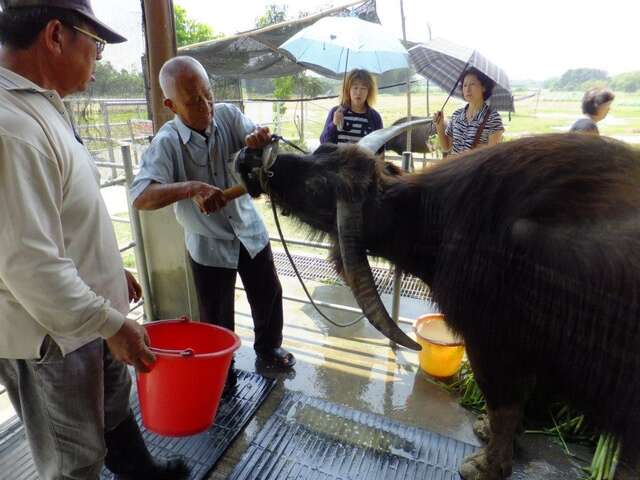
(574, 78)
(626, 82)
(113, 83)
(273, 14)
(190, 31)
(288, 86)
(283, 87)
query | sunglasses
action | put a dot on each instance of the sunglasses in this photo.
(100, 43)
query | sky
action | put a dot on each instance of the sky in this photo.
(531, 40)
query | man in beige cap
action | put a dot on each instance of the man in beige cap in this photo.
(64, 338)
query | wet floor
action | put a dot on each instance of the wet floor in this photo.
(355, 367)
(351, 366)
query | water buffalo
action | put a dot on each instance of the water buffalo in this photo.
(531, 249)
(419, 137)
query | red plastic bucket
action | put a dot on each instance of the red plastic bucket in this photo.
(180, 395)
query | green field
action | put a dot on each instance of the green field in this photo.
(545, 112)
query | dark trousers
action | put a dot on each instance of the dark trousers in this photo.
(215, 288)
(66, 404)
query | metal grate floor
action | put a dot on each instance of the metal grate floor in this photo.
(319, 269)
(201, 451)
(308, 438)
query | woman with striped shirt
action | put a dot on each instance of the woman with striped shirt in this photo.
(474, 124)
(354, 118)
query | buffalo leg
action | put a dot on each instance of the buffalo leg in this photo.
(482, 428)
(505, 391)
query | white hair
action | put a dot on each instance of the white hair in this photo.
(175, 66)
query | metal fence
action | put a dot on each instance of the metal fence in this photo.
(106, 124)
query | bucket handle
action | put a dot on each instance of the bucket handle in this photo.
(187, 352)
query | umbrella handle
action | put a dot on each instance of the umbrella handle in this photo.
(346, 64)
(455, 85)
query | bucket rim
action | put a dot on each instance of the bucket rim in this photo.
(429, 317)
(187, 352)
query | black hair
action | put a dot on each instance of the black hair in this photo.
(485, 81)
(594, 97)
(19, 27)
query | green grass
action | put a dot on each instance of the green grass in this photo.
(548, 113)
(545, 113)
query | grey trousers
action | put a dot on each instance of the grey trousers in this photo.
(66, 404)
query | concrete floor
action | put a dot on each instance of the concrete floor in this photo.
(355, 367)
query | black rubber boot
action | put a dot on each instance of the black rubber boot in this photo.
(231, 382)
(128, 457)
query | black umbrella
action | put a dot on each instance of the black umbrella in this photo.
(443, 62)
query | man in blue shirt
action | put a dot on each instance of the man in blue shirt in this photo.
(187, 164)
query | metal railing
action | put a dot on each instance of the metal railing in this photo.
(133, 220)
(136, 231)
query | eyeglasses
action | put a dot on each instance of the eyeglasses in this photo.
(100, 43)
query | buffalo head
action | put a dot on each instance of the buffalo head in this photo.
(336, 191)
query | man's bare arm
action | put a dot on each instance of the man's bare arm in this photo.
(158, 195)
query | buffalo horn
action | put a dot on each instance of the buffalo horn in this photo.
(358, 274)
(376, 139)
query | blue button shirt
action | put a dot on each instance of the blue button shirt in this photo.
(179, 154)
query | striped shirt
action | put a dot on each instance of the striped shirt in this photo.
(354, 127)
(463, 132)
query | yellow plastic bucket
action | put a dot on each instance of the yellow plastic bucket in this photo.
(442, 351)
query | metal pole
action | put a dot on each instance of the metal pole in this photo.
(107, 130)
(424, 155)
(397, 274)
(141, 258)
(302, 107)
(404, 38)
(428, 109)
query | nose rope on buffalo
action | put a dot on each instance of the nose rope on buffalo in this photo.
(291, 144)
(263, 175)
(304, 287)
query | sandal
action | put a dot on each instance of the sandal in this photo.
(277, 357)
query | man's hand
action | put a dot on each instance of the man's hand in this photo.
(207, 197)
(135, 290)
(129, 345)
(259, 138)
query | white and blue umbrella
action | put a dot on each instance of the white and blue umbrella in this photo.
(335, 45)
